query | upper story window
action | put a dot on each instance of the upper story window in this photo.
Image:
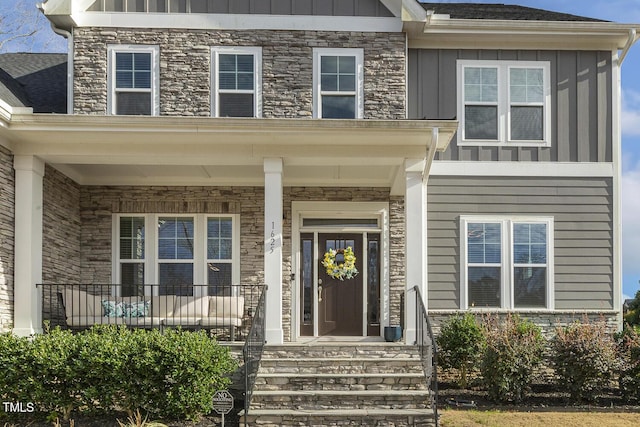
(504, 102)
(236, 82)
(338, 82)
(133, 80)
(507, 263)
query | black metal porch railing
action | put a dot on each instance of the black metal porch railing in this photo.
(428, 349)
(252, 351)
(224, 311)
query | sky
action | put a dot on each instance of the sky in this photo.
(15, 12)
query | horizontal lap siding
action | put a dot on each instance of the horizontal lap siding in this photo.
(581, 208)
(581, 104)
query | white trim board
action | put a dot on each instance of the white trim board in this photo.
(526, 169)
(199, 21)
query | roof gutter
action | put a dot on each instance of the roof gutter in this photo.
(69, 36)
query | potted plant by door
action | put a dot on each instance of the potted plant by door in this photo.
(392, 333)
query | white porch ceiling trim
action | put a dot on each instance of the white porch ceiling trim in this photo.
(119, 150)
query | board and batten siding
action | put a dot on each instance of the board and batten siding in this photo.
(372, 8)
(583, 222)
(581, 102)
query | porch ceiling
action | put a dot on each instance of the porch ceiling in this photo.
(118, 150)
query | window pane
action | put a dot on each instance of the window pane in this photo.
(133, 70)
(124, 79)
(329, 82)
(175, 238)
(227, 81)
(227, 63)
(530, 287)
(347, 64)
(133, 103)
(132, 279)
(245, 81)
(527, 123)
(307, 282)
(236, 105)
(176, 279)
(526, 85)
(329, 64)
(338, 107)
(481, 122)
(484, 243)
(219, 279)
(245, 63)
(484, 286)
(347, 82)
(219, 238)
(480, 84)
(530, 243)
(131, 238)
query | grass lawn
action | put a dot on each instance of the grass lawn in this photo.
(550, 418)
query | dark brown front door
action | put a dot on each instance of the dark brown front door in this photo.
(340, 301)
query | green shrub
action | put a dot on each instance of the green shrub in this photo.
(584, 357)
(110, 368)
(629, 350)
(460, 345)
(513, 350)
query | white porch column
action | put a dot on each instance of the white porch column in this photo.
(273, 249)
(27, 298)
(416, 242)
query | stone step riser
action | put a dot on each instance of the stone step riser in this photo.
(326, 353)
(319, 402)
(325, 367)
(339, 384)
(368, 421)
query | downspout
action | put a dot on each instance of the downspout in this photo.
(431, 154)
(617, 174)
(630, 41)
(69, 36)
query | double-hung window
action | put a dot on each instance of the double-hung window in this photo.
(504, 102)
(133, 80)
(338, 83)
(507, 263)
(236, 81)
(175, 252)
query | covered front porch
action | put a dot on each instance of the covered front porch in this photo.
(284, 187)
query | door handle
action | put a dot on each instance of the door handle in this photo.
(319, 293)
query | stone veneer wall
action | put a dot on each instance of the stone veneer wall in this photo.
(397, 259)
(7, 232)
(98, 204)
(547, 321)
(61, 229)
(287, 73)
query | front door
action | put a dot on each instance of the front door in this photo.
(340, 301)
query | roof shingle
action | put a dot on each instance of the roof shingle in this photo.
(36, 80)
(501, 12)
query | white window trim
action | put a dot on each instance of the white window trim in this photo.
(507, 264)
(318, 53)
(504, 104)
(155, 74)
(200, 260)
(257, 77)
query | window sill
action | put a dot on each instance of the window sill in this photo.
(529, 144)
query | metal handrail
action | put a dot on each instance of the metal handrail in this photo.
(428, 348)
(252, 350)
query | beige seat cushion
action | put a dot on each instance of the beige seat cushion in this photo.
(220, 322)
(190, 307)
(226, 307)
(79, 303)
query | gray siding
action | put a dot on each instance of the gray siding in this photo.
(264, 7)
(581, 208)
(581, 105)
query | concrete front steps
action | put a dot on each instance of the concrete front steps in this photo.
(341, 384)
